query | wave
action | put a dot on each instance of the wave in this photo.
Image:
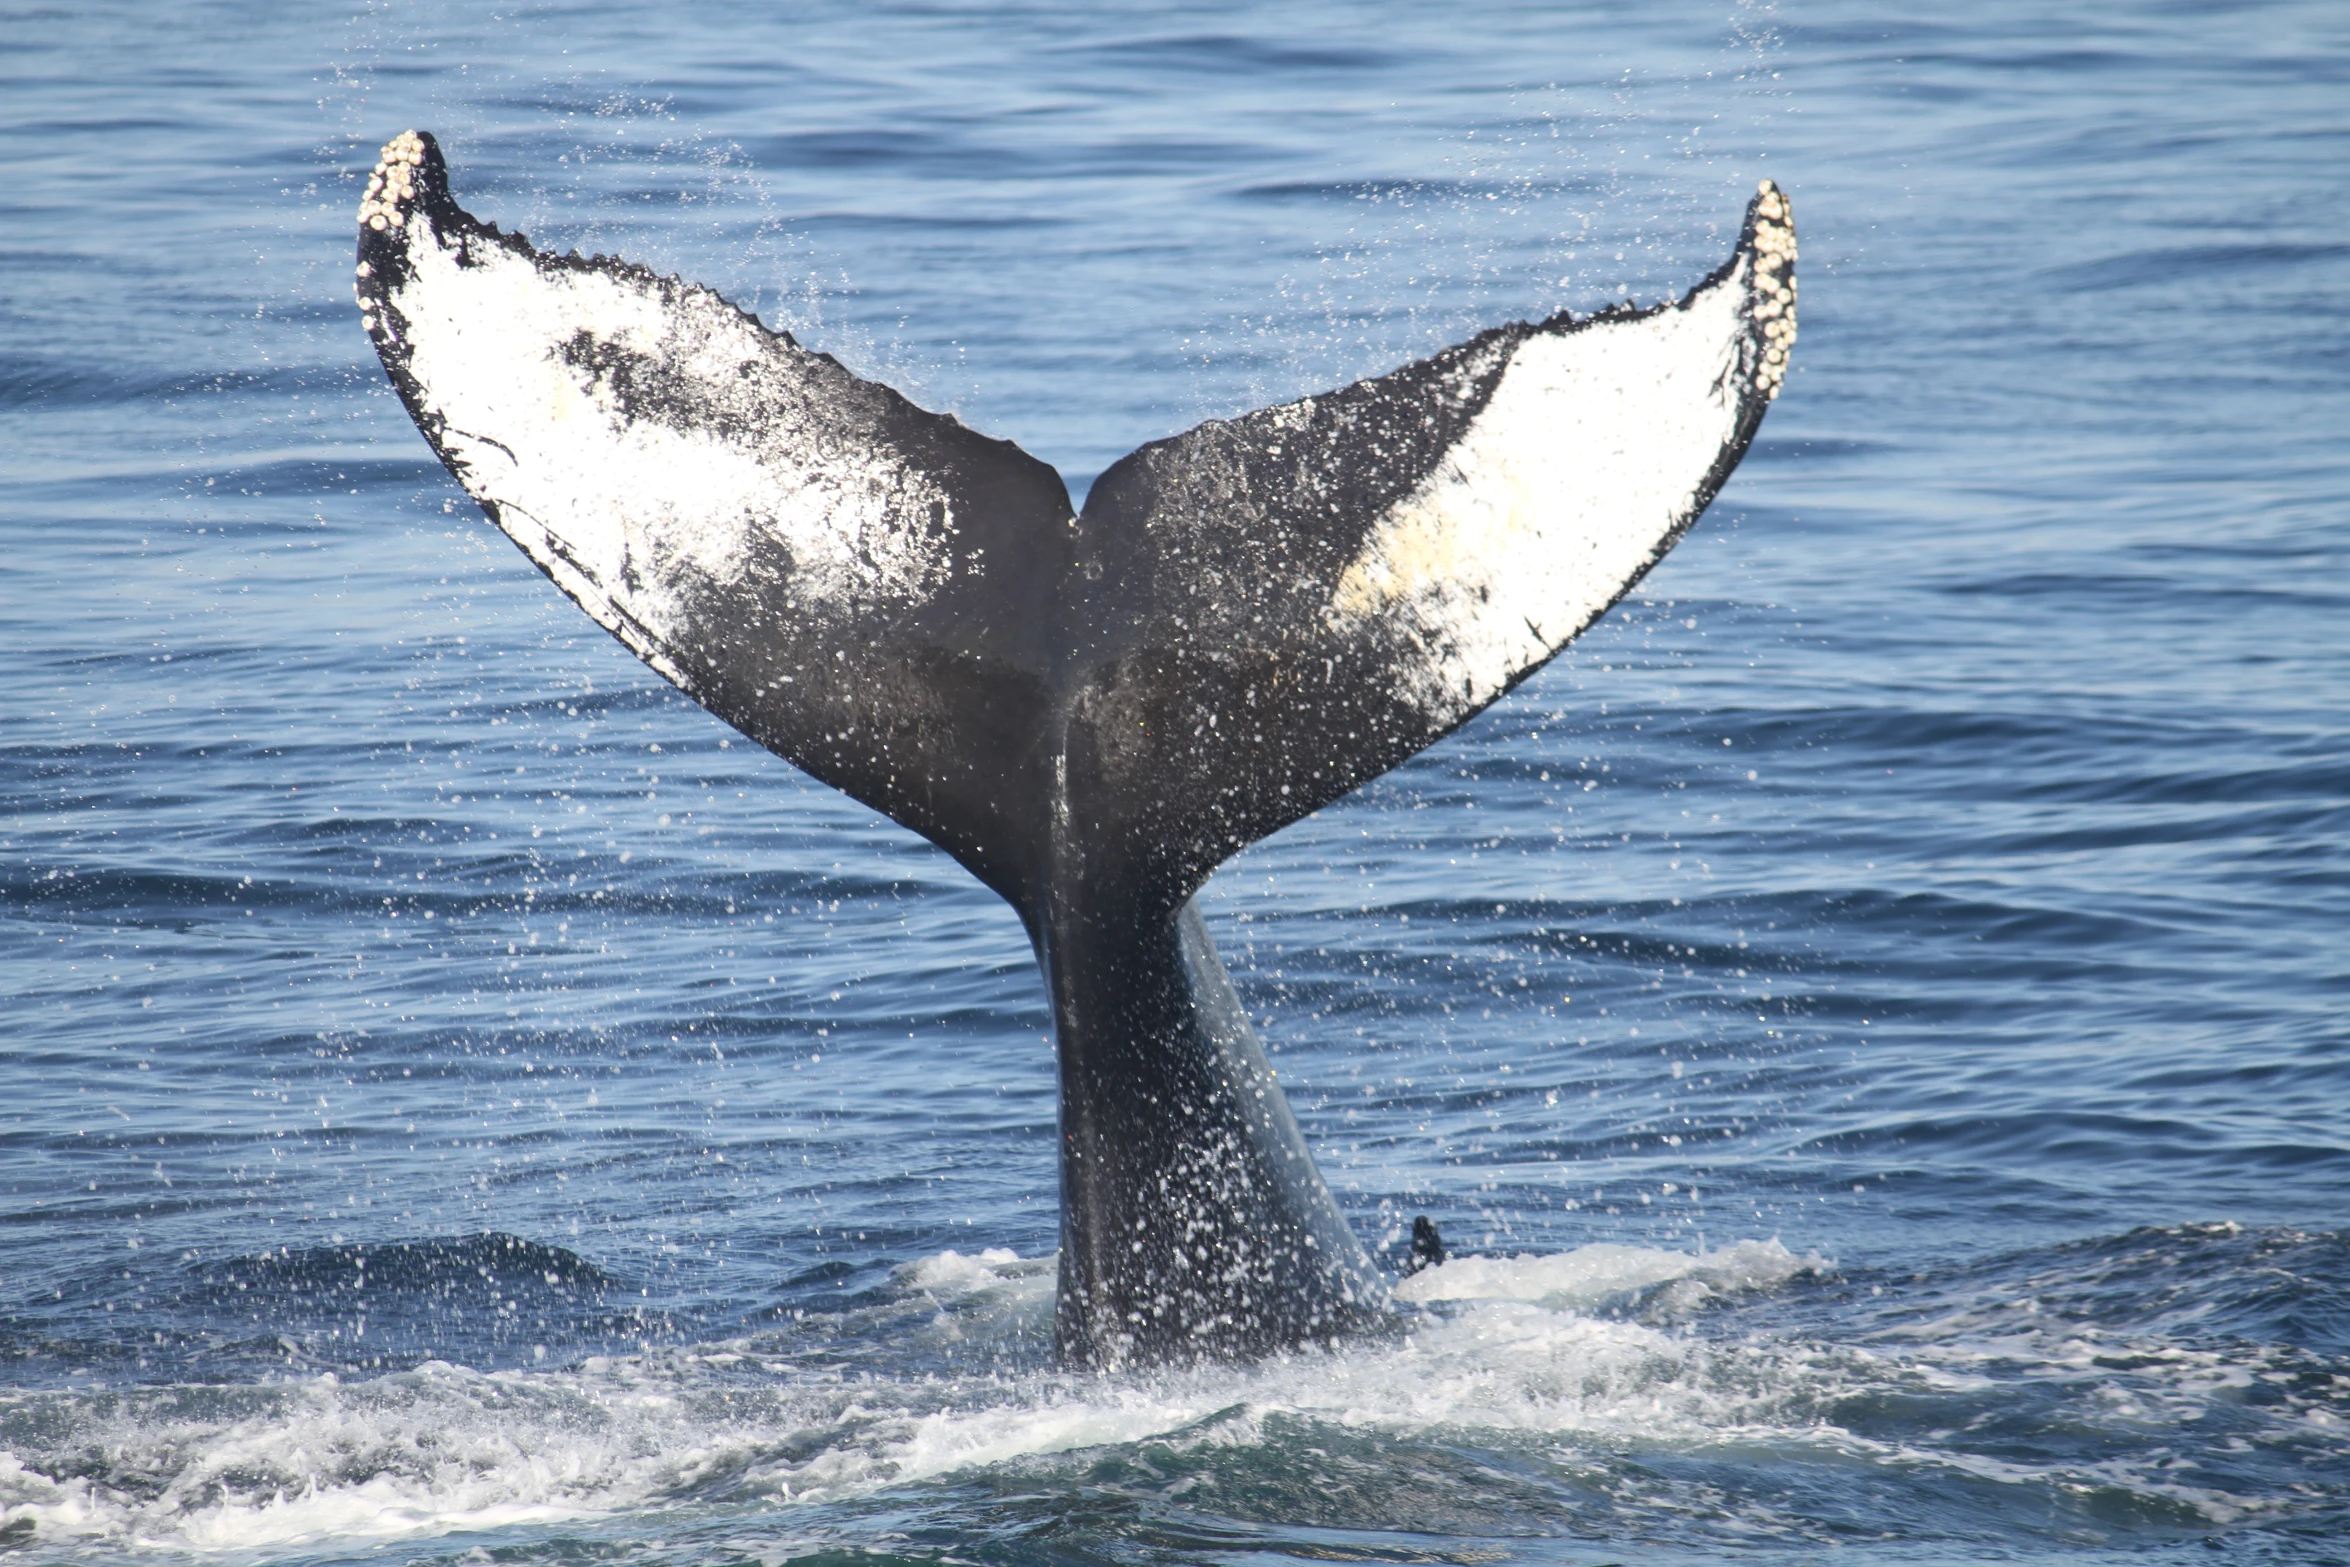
(1560, 1373)
(1605, 1276)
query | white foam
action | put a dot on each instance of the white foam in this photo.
(1590, 1275)
(423, 1452)
(950, 1275)
(817, 1411)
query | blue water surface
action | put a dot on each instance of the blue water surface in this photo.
(1872, 1013)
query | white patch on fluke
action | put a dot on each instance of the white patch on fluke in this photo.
(745, 462)
(1588, 460)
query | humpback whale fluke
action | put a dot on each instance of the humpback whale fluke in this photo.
(1089, 710)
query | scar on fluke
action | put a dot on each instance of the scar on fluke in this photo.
(1088, 709)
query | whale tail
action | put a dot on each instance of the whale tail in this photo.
(1089, 710)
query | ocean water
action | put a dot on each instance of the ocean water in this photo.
(1870, 1019)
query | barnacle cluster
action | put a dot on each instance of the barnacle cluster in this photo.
(1774, 284)
(389, 189)
(393, 182)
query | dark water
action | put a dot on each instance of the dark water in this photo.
(1874, 1010)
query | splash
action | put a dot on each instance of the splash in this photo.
(1592, 1277)
(1589, 1368)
